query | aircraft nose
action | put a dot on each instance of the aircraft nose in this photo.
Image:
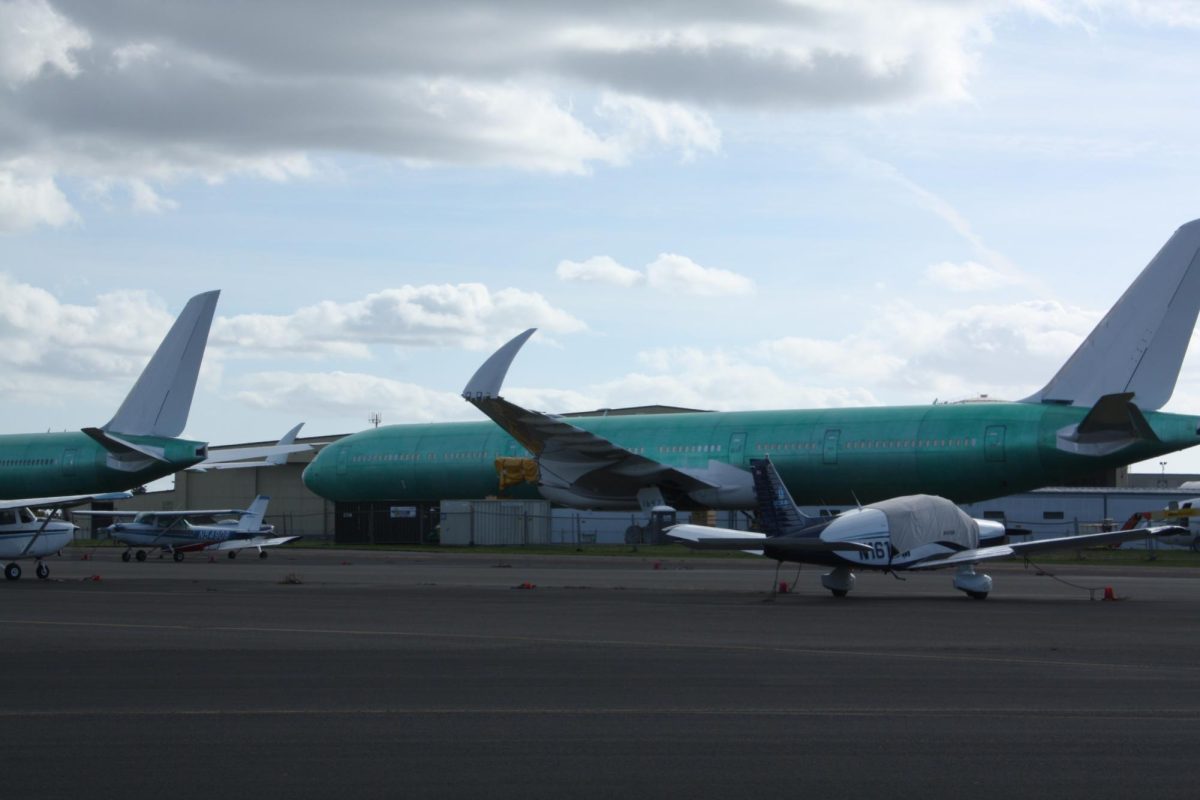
(312, 475)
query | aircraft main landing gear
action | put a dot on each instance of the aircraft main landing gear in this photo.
(42, 571)
(12, 571)
(178, 556)
(262, 553)
(839, 582)
(976, 585)
(233, 553)
(140, 555)
(126, 556)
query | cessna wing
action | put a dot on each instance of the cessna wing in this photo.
(65, 501)
(579, 462)
(979, 554)
(201, 512)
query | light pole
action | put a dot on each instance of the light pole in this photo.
(1162, 478)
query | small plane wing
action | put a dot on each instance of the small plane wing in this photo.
(270, 455)
(199, 512)
(702, 537)
(1042, 545)
(566, 452)
(65, 501)
(245, 544)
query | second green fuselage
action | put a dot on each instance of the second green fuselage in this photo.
(966, 452)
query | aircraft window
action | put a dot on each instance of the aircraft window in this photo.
(27, 515)
(8, 517)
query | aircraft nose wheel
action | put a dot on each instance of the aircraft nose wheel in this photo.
(178, 556)
(126, 556)
(12, 571)
(42, 571)
(141, 555)
(233, 553)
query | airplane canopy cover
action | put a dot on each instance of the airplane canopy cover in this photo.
(920, 519)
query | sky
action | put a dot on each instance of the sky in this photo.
(764, 204)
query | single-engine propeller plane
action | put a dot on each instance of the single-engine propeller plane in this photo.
(180, 532)
(917, 532)
(24, 534)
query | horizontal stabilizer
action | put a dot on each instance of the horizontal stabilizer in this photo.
(123, 447)
(1113, 423)
(246, 544)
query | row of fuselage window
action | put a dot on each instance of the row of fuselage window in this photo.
(26, 462)
(767, 447)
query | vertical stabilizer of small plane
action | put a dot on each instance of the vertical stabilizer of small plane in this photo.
(252, 520)
(778, 514)
(1139, 345)
(159, 402)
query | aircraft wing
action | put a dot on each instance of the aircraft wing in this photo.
(268, 455)
(1042, 545)
(702, 537)
(65, 501)
(199, 512)
(566, 452)
(245, 544)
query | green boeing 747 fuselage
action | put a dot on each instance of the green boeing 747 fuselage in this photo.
(46, 464)
(966, 452)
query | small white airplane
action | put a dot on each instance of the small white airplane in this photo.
(23, 534)
(174, 532)
(271, 455)
(915, 532)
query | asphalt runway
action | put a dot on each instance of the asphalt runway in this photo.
(323, 673)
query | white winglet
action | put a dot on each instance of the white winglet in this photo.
(488, 379)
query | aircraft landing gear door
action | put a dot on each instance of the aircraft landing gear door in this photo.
(829, 452)
(737, 448)
(68, 462)
(993, 443)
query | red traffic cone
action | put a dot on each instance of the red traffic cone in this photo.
(783, 587)
(1109, 594)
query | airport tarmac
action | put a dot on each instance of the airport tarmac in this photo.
(378, 674)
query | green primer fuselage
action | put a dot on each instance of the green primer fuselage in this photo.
(966, 452)
(54, 464)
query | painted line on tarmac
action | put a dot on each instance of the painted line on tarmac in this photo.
(1148, 670)
(900, 714)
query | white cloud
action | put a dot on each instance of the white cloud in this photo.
(350, 393)
(33, 37)
(669, 272)
(148, 201)
(27, 201)
(174, 92)
(599, 269)
(446, 315)
(969, 276)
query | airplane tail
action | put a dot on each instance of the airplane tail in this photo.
(1139, 345)
(778, 514)
(159, 402)
(252, 520)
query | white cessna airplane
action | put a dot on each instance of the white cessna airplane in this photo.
(915, 532)
(175, 532)
(23, 534)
